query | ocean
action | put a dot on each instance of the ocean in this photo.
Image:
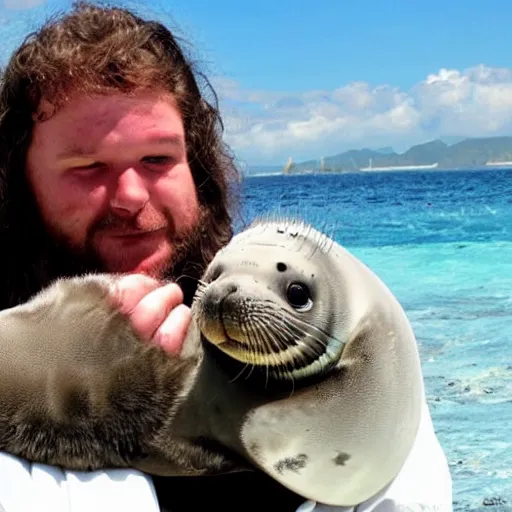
(442, 242)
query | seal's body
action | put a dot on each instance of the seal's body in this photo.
(298, 361)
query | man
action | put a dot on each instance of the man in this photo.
(70, 175)
(111, 159)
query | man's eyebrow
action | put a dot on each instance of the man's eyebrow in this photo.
(84, 151)
(176, 140)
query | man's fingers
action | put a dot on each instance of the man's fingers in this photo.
(171, 334)
(152, 310)
(156, 312)
(131, 289)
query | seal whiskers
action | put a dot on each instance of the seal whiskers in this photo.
(287, 340)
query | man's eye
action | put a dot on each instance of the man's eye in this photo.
(157, 160)
(89, 167)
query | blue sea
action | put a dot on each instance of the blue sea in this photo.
(442, 242)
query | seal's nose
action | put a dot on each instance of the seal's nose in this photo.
(216, 293)
(230, 288)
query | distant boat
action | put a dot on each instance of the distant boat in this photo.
(288, 166)
(399, 167)
(505, 163)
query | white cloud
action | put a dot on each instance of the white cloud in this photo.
(267, 126)
(22, 4)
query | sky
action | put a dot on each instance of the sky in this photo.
(307, 79)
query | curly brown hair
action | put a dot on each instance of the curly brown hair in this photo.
(101, 50)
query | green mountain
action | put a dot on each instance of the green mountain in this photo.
(385, 151)
(465, 154)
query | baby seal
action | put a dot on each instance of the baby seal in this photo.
(299, 361)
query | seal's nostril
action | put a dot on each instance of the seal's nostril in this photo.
(232, 288)
(281, 267)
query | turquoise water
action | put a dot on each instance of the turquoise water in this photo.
(442, 242)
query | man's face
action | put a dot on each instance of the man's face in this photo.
(111, 179)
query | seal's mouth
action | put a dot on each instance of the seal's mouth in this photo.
(292, 363)
(286, 361)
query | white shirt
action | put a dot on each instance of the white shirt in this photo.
(424, 484)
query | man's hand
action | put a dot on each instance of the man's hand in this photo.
(155, 310)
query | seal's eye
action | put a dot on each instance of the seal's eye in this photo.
(298, 296)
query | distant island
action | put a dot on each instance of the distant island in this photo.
(469, 153)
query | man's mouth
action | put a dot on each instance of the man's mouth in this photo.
(138, 233)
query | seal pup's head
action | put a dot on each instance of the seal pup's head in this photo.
(267, 300)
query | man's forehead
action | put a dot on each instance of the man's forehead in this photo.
(83, 124)
(104, 106)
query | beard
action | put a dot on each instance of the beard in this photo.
(132, 244)
(65, 258)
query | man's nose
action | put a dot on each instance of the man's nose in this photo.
(130, 193)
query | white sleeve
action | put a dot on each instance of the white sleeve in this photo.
(28, 487)
(423, 485)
